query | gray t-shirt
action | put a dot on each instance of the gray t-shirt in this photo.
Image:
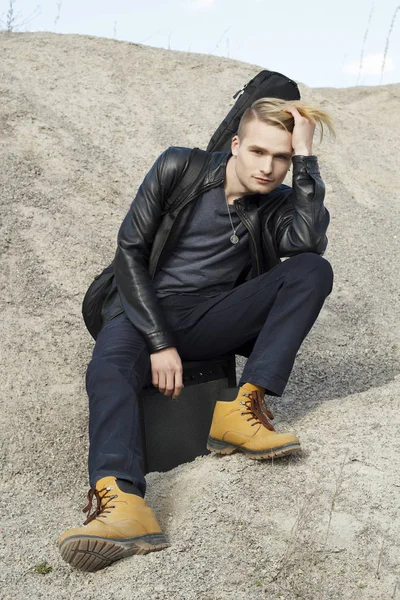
(204, 260)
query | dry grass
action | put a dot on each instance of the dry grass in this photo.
(59, 5)
(388, 40)
(14, 21)
(363, 44)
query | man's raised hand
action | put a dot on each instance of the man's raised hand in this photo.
(303, 132)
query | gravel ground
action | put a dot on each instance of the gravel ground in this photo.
(81, 121)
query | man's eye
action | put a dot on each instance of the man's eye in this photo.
(257, 151)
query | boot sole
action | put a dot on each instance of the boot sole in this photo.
(220, 447)
(89, 553)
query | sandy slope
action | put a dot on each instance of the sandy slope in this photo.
(81, 120)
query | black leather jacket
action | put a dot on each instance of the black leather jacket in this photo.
(285, 222)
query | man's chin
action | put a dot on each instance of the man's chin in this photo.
(257, 187)
(264, 188)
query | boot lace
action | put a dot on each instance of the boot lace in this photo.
(103, 502)
(258, 410)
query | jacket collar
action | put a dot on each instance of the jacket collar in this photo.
(216, 167)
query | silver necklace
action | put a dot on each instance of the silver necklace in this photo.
(234, 238)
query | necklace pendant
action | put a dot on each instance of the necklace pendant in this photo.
(234, 238)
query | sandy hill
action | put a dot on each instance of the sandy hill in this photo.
(81, 120)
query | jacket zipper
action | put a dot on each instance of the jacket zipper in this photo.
(250, 230)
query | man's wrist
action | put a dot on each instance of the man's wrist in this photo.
(303, 152)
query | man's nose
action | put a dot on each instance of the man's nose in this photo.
(266, 166)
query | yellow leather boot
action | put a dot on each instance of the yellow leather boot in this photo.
(121, 525)
(243, 424)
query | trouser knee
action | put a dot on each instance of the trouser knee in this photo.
(105, 371)
(313, 270)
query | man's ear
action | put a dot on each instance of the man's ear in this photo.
(235, 145)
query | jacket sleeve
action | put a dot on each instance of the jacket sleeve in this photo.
(302, 221)
(134, 244)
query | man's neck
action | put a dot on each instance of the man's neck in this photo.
(232, 186)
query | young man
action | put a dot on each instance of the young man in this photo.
(196, 280)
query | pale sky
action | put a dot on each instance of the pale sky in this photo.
(313, 41)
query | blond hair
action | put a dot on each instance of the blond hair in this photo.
(271, 111)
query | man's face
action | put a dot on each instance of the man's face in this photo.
(262, 157)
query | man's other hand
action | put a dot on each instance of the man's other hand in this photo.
(166, 371)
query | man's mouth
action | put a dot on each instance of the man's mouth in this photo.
(262, 180)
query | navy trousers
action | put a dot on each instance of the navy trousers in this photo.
(265, 319)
